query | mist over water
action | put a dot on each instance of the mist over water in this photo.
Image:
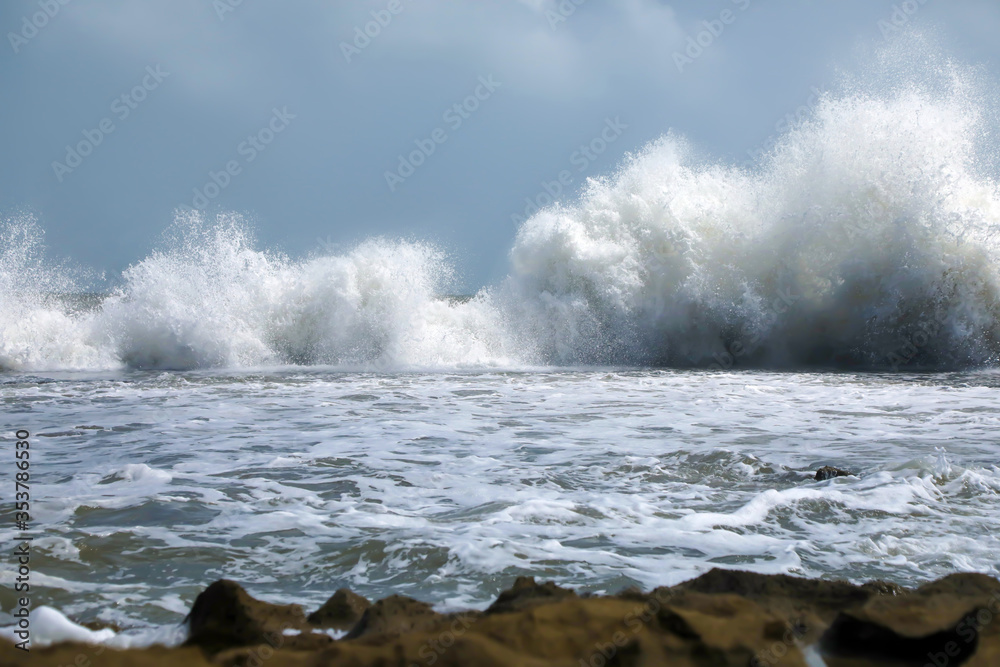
(866, 238)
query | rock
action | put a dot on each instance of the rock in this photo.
(806, 605)
(950, 621)
(723, 617)
(763, 588)
(829, 472)
(526, 593)
(870, 637)
(226, 616)
(85, 655)
(729, 630)
(341, 612)
(394, 615)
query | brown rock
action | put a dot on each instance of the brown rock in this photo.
(341, 612)
(952, 619)
(71, 654)
(526, 593)
(782, 587)
(395, 615)
(226, 616)
(806, 607)
(723, 617)
(730, 629)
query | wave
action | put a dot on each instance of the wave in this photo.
(212, 300)
(866, 237)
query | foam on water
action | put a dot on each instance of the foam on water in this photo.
(50, 626)
(867, 237)
(446, 486)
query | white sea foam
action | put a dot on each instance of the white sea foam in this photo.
(50, 626)
(445, 486)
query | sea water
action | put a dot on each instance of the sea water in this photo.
(646, 396)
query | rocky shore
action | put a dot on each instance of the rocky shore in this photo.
(721, 618)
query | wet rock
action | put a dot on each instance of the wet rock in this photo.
(870, 637)
(341, 612)
(526, 593)
(805, 606)
(395, 615)
(829, 472)
(771, 587)
(85, 655)
(226, 616)
(728, 630)
(723, 617)
(950, 621)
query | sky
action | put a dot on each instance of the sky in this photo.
(325, 123)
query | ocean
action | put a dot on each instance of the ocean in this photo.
(646, 396)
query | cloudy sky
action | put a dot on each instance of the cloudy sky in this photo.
(116, 113)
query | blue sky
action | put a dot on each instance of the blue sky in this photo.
(290, 113)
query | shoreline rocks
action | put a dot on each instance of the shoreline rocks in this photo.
(723, 617)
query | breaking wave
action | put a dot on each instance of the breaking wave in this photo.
(867, 237)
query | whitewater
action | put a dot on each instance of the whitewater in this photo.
(645, 396)
(866, 238)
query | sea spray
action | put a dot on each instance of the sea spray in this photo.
(867, 237)
(37, 325)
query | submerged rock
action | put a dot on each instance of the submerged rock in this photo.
(829, 472)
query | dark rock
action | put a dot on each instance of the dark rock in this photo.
(761, 587)
(807, 605)
(829, 472)
(341, 612)
(526, 593)
(724, 618)
(949, 618)
(226, 616)
(395, 615)
(872, 637)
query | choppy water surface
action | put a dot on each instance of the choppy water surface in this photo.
(147, 486)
